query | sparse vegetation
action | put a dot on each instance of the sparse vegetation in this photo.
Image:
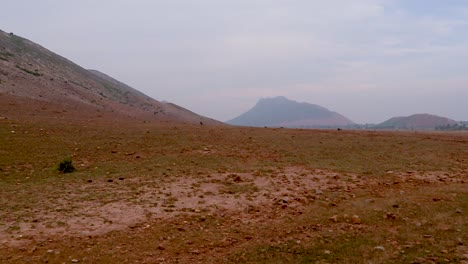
(35, 73)
(66, 166)
(147, 192)
(454, 127)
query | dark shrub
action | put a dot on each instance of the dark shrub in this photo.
(66, 166)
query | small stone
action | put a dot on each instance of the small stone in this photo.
(327, 252)
(237, 179)
(318, 191)
(33, 249)
(459, 211)
(379, 248)
(110, 180)
(161, 247)
(90, 181)
(355, 220)
(195, 252)
(121, 178)
(50, 251)
(444, 251)
(75, 261)
(334, 219)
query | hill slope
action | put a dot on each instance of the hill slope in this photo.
(282, 112)
(33, 78)
(417, 121)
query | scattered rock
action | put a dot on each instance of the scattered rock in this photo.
(334, 219)
(237, 179)
(459, 211)
(33, 249)
(50, 251)
(390, 216)
(195, 252)
(356, 220)
(75, 261)
(379, 248)
(161, 247)
(318, 191)
(327, 252)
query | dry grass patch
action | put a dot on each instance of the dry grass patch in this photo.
(165, 193)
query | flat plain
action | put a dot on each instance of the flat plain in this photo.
(169, 193)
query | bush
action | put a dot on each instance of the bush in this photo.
(66, 166)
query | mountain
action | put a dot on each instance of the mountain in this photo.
(37, 82)
(282, 112)
(416, 122)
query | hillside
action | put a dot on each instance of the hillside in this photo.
(282, 112)
(35, 81)
(416, 122)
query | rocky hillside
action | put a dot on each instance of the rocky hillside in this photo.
(282, 112)
(416, 122)
(36, 80)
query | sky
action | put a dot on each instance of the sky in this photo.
(369, 60)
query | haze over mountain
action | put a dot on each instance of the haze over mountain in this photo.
(416, 122)
(35, 81)
(282, 112)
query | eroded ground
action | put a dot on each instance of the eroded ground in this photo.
(168, 194)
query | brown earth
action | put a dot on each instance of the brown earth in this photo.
(165, 193)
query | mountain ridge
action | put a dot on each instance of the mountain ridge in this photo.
(31, 73)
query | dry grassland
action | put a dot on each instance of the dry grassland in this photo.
(149, 193)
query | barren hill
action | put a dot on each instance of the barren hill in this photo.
(417, 121)
(282, 112)
(35, 81)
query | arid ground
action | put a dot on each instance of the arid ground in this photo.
(166, 193)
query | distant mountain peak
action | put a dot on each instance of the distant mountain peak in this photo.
(280, 111)
(416, 121)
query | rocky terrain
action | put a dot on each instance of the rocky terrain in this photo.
(172, 193)
(47, 84)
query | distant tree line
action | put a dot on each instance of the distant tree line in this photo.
(448, 127)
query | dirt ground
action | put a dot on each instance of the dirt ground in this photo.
(151, 193)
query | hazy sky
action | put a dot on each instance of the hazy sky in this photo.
(367, 59)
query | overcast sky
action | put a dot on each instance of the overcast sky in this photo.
(367, 59)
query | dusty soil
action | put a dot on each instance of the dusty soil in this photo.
(153, 193)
